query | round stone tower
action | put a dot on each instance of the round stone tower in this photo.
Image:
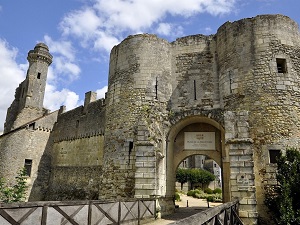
(29, 96)
(138, 90)
(259, 75)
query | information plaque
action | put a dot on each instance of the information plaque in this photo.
(199, 141)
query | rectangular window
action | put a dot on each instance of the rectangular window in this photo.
(281, 65)
(39, 76)
(273, 155)
(28, 166)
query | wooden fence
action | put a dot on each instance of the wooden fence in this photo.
(225, 214)
(77, 213)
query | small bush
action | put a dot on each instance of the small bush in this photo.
(190, 193)
(198, 191)
(208, 191)
(197, 195)
(217, 191)
(210, 198)
(177, 197)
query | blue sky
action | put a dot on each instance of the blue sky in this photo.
(80, 34)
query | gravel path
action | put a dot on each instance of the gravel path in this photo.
(195, 206)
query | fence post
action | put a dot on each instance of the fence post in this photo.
(119, 213)
(139, 213)
(44, 215)
(90, 213)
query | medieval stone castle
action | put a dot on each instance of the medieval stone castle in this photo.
(232, 96)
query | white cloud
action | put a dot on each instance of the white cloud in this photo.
(105, 42)
(170, 30)
(64, 58)
(103, 24)
(101, 92)
(164, 29)
(55, 98)
(11, 76)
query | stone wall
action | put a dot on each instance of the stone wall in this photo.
(194, 70)
(139, 87)
(77, 153)
(31, 141)
(248, 51)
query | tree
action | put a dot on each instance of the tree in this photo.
(200, 176)
(194, 176)
(15, 193)
(283, 199)
(182, 176)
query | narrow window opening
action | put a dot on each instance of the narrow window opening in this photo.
(32, 126)
(130, 147)
(273, 155)
(77, 123)
(195, 91)
(184, 164)
(39, 76)
(28, 167)
(230, 82)
(156, 84)
(281, 65)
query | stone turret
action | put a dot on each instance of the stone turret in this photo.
(29, 96)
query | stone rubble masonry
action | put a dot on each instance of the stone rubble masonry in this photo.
(124, 146)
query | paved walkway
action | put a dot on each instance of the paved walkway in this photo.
(195, 206)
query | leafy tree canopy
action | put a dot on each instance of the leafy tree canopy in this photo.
(283, 199)
(194, 176)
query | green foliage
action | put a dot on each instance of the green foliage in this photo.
(17, 192)
(177, 196)
(191, 193)
(197, 193)
(194, 176)
(182, 176)
(217, 191)
(210, 198)
(283, 199)
(208, 191)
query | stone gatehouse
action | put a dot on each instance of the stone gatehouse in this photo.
(233, 96)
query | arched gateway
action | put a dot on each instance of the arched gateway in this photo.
(196, 135)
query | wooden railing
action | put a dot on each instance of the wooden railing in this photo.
(225, 214)
(77, 212)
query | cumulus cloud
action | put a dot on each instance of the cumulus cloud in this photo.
(63, 69)
(169, 30)
(55, 98)
(11, 75)
(64, 59)
(102, 25)
(101, 92)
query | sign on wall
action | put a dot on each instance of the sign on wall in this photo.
(199, 140)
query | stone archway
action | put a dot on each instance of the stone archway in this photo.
(188, 129)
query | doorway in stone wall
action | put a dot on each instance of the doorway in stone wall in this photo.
(196, 135)
(198, 172)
